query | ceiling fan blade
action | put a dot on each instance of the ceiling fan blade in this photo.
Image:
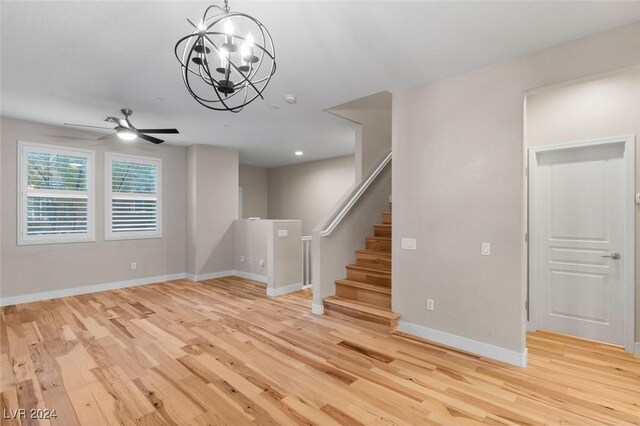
(109, 136)
(150, 138)
(85, 125)
(119, 121)
(159, 131)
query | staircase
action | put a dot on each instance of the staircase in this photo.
(365, 293)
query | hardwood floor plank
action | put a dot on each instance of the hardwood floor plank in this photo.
(219, 352)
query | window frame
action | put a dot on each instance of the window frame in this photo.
(109, 235)
(24, 239)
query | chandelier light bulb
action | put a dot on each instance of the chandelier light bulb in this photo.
(228, 27)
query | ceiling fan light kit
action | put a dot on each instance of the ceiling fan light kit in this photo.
(126, 131)
(228, 59)
(125, 134)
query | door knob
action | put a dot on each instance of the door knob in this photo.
(614, 256)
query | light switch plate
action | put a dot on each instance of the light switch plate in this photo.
(408, 243)
(283, 233)
(486, 249)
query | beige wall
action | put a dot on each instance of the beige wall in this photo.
(212, 206)
(458, 181)
(253, 181)
(600, 108)
(308, 191)
(40, 268)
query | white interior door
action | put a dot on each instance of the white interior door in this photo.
(578, 225)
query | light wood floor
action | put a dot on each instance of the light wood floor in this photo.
(220, 352)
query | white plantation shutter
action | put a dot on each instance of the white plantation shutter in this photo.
(133, 197)
(56, 190)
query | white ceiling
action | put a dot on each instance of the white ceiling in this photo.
(80, 61)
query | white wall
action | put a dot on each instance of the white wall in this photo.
(308, 191)
(212, 206)
(253, 181)
(595, 109)
(40, 268)
(458, 181)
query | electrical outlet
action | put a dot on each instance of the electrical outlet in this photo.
(134, 265)
(241, 258)
(485, 249)
(261, 263)
(283, 233)
(430, 304)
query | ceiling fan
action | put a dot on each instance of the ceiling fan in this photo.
(125, 130)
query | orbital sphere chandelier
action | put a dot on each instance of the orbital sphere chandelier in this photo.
(222, 69)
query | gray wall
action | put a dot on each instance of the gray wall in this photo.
(258, 240)
(40, 268)
(373, 136)
(600, 108)
(253, 181)
(331, 254)
(212, 206)
(250, 241)
(285, 254)
(458, 181)
(308, 191)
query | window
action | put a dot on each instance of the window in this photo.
(134, 202)
(56, 190)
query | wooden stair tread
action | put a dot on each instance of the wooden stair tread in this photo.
(373, 237)
(365, 286)
(361, 307)
(372, 267)
(374, 252)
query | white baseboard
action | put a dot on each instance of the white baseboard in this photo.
(250, 276)
(210, 275)
(74, 291)
(317, 308)
(468, 345)
(284, 290)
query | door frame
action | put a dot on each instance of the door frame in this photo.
(629, 160)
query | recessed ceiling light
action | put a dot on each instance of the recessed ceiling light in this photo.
(160, 99)
(299, 153)
(275, 107)
(290, 99)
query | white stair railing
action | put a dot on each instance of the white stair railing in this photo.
(362, 189)
(306, 260)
